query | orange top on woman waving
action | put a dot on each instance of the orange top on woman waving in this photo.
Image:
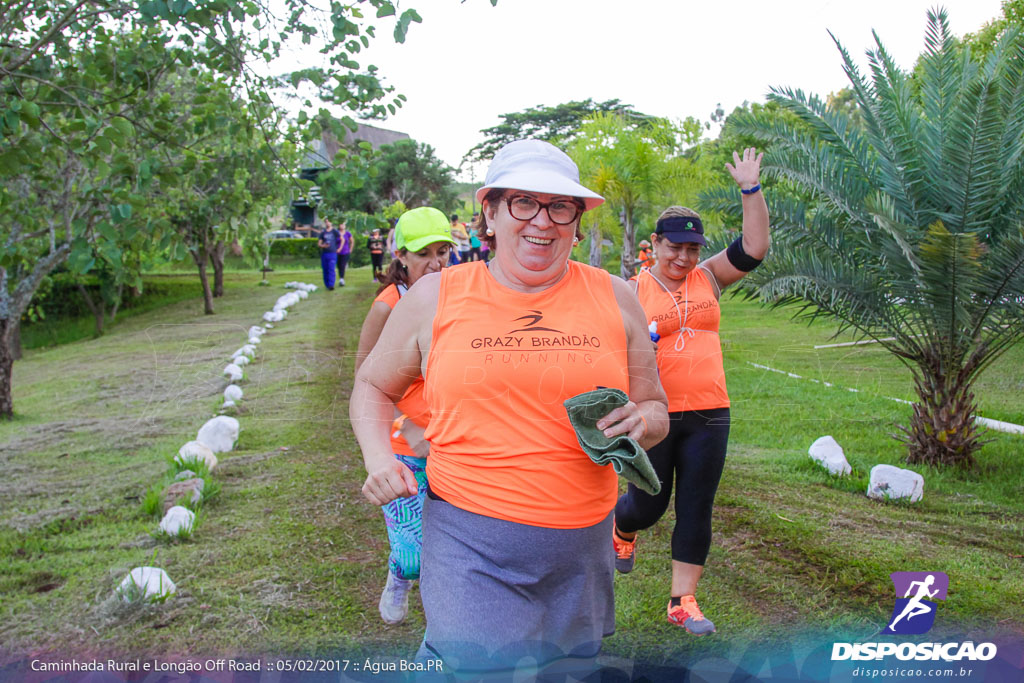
(679, 295)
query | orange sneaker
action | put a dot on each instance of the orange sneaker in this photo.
(625, 552)
(688, 615)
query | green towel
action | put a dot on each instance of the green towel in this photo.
(623, 453)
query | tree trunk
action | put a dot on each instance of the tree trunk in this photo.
(199, 256)
(16, 342)
(942, 430)
(595, 246)
(6, 368)
(628, 268)
(200, 252)
(117, 303)
(207, 292)
(97, 308)
(217, 259)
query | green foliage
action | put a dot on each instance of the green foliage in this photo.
(909, 228)
(153, 501)
(369, 181)
(301, 247)
(985, 40)
(105, 104)
(559, 123)
(62, 299)
(64, 316)
(637, 168)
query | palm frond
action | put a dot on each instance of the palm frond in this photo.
(830, 127)
(902, 168)
(940, 83)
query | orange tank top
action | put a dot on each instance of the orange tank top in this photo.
(690, 359)
(411, 404)
(501, 363)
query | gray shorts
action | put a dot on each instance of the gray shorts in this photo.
(497, 594)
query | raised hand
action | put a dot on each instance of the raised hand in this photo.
(746, 171)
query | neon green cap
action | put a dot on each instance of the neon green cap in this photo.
(419, 227)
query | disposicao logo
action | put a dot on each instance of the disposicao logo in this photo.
(914, 612)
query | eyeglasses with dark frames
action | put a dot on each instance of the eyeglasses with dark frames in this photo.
(523, 207)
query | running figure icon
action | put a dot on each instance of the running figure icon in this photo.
(915, 606)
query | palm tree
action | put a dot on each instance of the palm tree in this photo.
(908, 225)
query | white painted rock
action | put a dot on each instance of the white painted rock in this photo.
(829, 454)
(219, 434)
(247, 350)
(254, 340)
(227, 404)
(194, 451)
(146, 583)
(287, 301)
(233, 372)
(303, 294)
(241, 361)
(256, 331)
(233, 393)
(274, 316)
(177, 520)
(892, 482)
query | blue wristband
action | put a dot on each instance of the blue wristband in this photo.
(755, 188)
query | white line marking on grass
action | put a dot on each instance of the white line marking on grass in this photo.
(997, 425)
(859, 343)
(853, 343)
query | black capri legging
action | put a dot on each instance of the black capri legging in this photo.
(695, 448)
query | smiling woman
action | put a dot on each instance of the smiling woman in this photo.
(679, 295)
(515, 526)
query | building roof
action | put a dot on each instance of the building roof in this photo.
(321, 154)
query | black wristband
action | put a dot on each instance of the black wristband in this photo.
(740, 259)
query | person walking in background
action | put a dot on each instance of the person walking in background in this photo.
(474, 247)
(461, 239)
(485, 248)
(517, 516)
(390, 239)
(344, 253)
(645, 258)
(679, 295)
(329, 241)
(423, 239)
(375, 243)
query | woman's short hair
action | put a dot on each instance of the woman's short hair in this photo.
(678, 212)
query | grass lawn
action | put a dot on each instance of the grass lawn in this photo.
(290, 559)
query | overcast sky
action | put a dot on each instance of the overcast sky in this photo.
(467, 63)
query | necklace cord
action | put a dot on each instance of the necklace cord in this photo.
(684, 331)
